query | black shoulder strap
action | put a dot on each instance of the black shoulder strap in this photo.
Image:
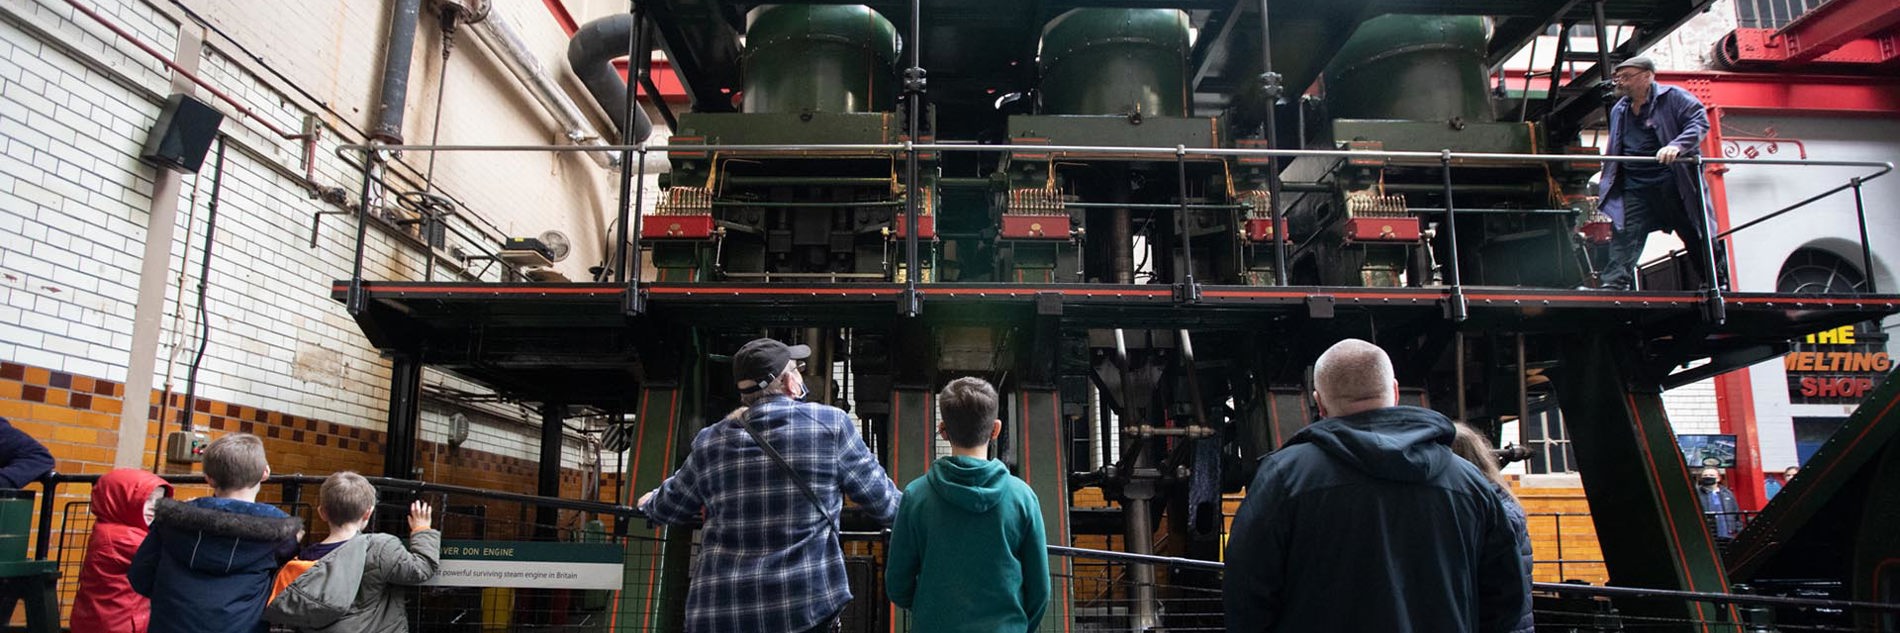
(789, 470)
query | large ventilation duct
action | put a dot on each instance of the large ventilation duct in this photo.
(820, 58)
(591, 54)
(1116, 61)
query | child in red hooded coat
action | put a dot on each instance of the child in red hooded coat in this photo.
(122, 501)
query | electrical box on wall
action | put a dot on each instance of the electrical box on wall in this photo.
(185, 447)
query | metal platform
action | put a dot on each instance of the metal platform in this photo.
(575, 343)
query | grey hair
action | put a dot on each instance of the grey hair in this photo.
(776, 388)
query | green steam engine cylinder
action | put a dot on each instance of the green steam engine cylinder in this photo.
(819, 58)
(1116, 61)
(1411, 67)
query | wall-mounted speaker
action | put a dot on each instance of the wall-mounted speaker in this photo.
(183, 134)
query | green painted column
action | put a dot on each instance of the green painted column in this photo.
(909, 450)
(913, 438)
(1642, 496)
(653, 594)
(1042, 460)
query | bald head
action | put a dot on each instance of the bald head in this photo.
(1353, 376)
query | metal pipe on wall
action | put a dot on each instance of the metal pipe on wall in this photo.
(396, 60)
(500, 37)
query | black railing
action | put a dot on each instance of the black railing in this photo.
(1100, 593)
(1189, 291)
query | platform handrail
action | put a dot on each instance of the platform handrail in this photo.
(1188, 291)
(50, 486)
(1158, 152)
(1603, 591)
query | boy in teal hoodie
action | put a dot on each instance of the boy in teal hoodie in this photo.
(967, 550)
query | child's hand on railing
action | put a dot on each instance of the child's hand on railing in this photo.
(419, 516)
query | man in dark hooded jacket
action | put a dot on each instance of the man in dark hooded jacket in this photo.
(1366, 521)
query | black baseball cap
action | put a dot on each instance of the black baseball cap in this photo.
(759, 362)
(1638, 62)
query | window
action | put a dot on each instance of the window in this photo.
(1549, 442)
(1815, 271)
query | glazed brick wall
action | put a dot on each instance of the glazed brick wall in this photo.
(76, 418)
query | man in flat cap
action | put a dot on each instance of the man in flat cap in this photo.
(1668, 123)
(770, 495)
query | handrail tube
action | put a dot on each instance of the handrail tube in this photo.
(1457, 296)
(50, 483)
(914, 89)
(1784, 210)
(1550, 587)
(1882, 168)
(399, 484)
(1717, 313)
(1866, 246)
(1433, 156)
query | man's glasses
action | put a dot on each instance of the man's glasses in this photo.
(1623, 78)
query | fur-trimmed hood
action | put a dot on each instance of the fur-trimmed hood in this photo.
(223, 536)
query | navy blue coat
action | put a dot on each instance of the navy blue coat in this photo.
(1680, 120)
(207, 564)
(22, 458)
(1368, 522)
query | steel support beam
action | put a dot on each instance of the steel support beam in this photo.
(1784, 93)
(653, 594)
(1809, 499)
(1642, 499)
(1835, 23)
(405, 408)
(1041, 450)
(912, 440)
(547, 480)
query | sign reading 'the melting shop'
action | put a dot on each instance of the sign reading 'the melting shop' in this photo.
(1838, 366)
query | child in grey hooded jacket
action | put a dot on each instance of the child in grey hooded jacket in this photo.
(343, 584)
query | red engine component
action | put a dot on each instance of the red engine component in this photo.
(677, 227)
(1035, 227)
(1261, 229)
(1598, 232)
(927, 227)
(1382, 230)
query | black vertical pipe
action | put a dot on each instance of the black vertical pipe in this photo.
(43, 542)
(913, 190)
(356, 303)
(548, 476)
(634, 303)
(1457, 305)
(1458, 371)
(1190, 291)
(1603, 51)
(1866, 249)
(634, 44)
(1717, 312)
(1273, 89)
(405, 410)
(204, 278)
(395, 91)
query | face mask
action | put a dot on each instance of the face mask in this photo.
(1708, 481)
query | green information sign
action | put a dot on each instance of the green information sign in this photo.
(530, 564)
